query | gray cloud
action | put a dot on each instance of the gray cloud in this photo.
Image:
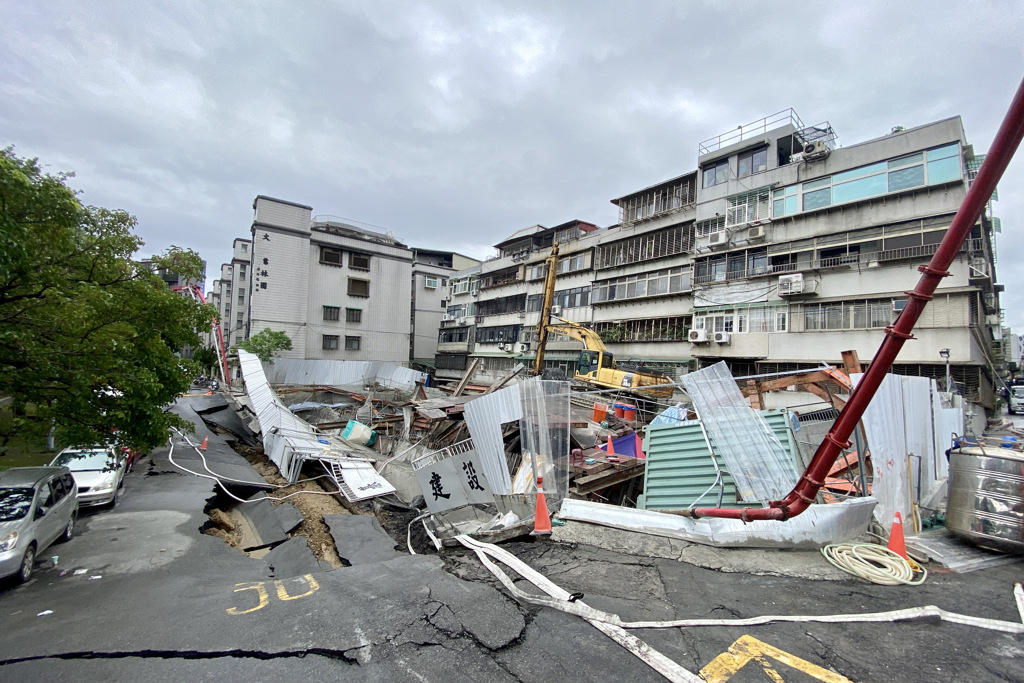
(457, 123)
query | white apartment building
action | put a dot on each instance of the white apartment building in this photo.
(341, 291)
(779, 252)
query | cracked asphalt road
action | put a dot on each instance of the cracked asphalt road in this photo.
(174, 604)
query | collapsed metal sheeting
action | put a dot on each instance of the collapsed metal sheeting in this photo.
(760, 465)
(815, 528)
(343, 373)
(289, 441)
(484, 416)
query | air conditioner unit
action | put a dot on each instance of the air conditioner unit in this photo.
(556, 310)
(698, 336)
(718, 239)
(522, 347)
(816, 148)
(721, 337)
(756, 232)
(446, 318)
(501, 346)
(796, 158)
(791, 284)
(461, 321)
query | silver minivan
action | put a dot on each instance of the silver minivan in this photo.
(38, 505)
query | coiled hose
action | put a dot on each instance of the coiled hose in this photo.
(874, 563)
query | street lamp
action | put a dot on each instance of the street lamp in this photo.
(949, 382)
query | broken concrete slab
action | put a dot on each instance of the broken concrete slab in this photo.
(267, 524)
(361, 539)
(227, 419)
(291, 558)
(806, 564)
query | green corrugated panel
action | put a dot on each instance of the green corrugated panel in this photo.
(679, 467)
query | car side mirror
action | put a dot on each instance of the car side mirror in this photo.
(40, 513)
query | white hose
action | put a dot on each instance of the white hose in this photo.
(874, 563)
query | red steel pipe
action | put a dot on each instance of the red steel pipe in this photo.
(1003, 147)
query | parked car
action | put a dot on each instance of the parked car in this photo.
(1016, 400)
(38, 505)
(99, 473)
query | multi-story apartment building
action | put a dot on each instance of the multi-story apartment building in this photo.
(231, 291)
(431, 270)
(779, 252)
(340, 291)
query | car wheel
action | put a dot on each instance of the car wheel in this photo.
(69, 530)
(28, 561)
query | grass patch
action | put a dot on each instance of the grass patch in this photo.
(22, 451)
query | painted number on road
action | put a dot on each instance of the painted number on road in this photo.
(748, 649)
(281, 588)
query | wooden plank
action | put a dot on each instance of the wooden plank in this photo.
(461, 386)
(606, 479)
(432, 413)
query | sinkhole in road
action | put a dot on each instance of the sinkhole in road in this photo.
(230, 523)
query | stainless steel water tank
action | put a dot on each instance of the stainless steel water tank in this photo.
(986, 497)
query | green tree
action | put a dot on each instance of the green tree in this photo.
(205, 357)
(267, 344)
(88, 336)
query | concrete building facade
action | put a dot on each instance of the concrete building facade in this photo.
(777, 253)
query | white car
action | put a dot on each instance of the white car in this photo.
(99, 473)
(1016, 400)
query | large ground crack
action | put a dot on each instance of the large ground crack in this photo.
(187, 654)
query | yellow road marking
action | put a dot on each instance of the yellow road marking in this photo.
(747, 649)
(282, 593)
(260, 589)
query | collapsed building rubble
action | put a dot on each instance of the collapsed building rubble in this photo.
(470, 461)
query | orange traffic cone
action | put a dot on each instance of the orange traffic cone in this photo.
(202, 446)
(541, 518)
(611, 448)
(896, 542)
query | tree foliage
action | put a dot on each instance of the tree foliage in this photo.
(205, 357)
(267, 344)
(87, 335)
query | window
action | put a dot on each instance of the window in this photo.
(453, 334)
(450, 361)
(743, 320)
(331, 342)
(245, 248)
(753, 161)
(241, 295)
(430, 281)
(241, 270)
(931, 167)
(358, 287)
(358, 261)
(747, 207)
(332, 313)
(537, 272)
(501, 333)
(352, 343)
(353, 315)
(656, 283)
(571, 263)
(717, 173)
(331, 257)
(651, 245)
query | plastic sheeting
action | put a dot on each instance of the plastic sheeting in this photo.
(818, 526)
(343, 373)
(544, 428)
(909, 426)
(289, 441)
(484, 416)
(759, 463)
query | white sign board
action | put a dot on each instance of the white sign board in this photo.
(454, 482)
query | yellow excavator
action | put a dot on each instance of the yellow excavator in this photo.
(596, 365)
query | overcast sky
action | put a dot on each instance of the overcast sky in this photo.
(453, 124)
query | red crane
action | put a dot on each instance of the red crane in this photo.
(222, 356)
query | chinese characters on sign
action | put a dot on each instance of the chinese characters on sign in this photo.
(454, 482)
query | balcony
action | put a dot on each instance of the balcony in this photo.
(868, 259)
